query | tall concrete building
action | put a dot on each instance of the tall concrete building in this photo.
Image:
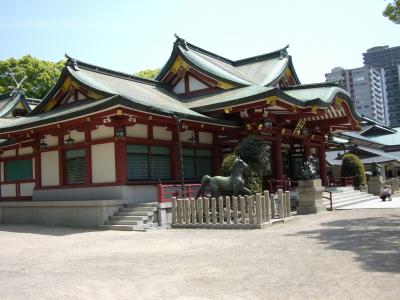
(387, 60)
(366, 89)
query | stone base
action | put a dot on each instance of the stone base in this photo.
(310, 197)
(87, 214)
(375, 185)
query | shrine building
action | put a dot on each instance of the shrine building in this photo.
(101, 134)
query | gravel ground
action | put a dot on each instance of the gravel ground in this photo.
(352, 254)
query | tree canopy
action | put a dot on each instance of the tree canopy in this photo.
(149, 73)
(392, 11)
(41, 75)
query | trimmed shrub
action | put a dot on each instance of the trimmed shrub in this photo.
(352, 166)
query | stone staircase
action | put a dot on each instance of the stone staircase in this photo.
(133, 217)
(345, 196)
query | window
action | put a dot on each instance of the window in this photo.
(18, 170)
(75, 166)
(148, 162)
(196, 163)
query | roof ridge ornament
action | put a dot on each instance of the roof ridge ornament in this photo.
(181, 42)
(283, 52)
(71, 62)
(17, 87)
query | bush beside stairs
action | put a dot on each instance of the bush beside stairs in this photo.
(133, 217)
(345, 196)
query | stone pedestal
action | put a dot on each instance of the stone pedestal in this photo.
(375, 185)
(310, 197)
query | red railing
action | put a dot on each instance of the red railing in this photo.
(167, 191)
(340, 181)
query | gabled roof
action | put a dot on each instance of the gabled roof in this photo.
(387, 139)
(262, 70)
(10, 100)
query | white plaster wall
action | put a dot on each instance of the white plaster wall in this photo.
(103, 163)
(8, 190)
(102, 132)
(51, 140)
(161, 133)
(50, 168)
(76, 135)
(26, 189)
(26, 150)
(9, 153)
(186, 135)
(180, 87)
(195, 85)
(205, 137)
(138, 130)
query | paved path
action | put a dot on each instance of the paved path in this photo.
(347, 254)
(395, 203)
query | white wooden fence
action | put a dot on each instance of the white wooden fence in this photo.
(254, 211)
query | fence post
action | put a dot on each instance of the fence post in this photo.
(228, 210)
(263, 211)
(258, 209)
(200, 210)
(267, 206)
(193, 210)
(250, 204)
(184, 210)
(221, 209)
(206, 209)
(242, 210)
(179, 213)
(159, 192)
(173, 210)
(214, 210)
(288, 204)
(273, 210)
(280, 204)
(235, 209)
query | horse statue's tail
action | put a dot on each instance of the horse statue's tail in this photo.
(204, 182)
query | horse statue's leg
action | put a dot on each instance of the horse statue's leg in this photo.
(246, 191)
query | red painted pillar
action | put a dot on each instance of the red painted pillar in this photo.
(88, 157)
(322, 164)
(175, 157)
(61, 160)
(278, 165)
(216, 157)
(38, 165)
(121, 161)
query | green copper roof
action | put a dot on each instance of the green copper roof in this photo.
(324, 93)
(390, 139)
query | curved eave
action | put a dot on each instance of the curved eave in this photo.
(64, 74)
(101, 105)
(178, 52)
(323, 103)
(282, 73)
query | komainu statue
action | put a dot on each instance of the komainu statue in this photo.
(309, 169)
(233, 184)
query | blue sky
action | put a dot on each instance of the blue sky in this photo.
(133, 35)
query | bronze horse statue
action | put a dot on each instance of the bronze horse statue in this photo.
(233, 183)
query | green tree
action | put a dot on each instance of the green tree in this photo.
(41, 75)
(392, 11)
(353, 166)
(149, 73)
(255, 152)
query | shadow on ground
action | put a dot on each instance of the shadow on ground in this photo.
(375, 241)
(43, 229)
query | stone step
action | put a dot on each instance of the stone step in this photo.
(344, 193)
(122, 227)
(124, 222)
(149, 204)
(138, 209)
(352, 196)
(132, 218)
(135, 213)
(344, 204)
